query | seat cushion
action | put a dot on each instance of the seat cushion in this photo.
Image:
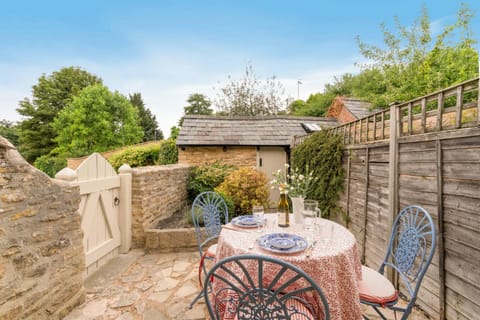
(375, 288)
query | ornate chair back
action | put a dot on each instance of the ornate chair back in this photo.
(209, 212)
(261, 287)
(410, 250)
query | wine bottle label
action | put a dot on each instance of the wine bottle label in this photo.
(281, 218)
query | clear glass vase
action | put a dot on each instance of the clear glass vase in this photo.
(297, 208)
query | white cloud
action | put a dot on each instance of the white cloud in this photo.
(437, 25)
(166, 76)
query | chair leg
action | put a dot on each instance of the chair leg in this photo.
(199, 295)
(379, 313)
(200, 267)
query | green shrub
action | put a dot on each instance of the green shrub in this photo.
(230, 205)
(187, 214)
(50, 164)
(323, 153)
(136, 156)
(246, 187)
(206, 178)
(168, 152)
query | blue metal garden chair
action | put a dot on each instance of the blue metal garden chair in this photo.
(261, 287)
(410, 251)
(209, 212)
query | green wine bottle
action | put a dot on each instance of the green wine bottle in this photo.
(283, 211)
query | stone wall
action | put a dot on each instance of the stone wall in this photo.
(157, 193)
(41, 250)
(239, 156)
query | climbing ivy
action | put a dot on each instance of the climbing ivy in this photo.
(323, 152)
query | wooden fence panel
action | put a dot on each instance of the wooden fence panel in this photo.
(455, 268)
(431, 159)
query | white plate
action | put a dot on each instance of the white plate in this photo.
(248, 221)
(282, 243)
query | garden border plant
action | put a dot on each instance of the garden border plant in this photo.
(207, 177)
(246, 187)
(165, 152)
(323, 153)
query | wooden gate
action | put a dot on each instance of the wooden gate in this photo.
(99, 208)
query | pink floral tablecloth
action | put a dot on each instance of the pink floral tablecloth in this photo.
(333, 262)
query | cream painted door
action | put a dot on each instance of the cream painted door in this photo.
(269, 160)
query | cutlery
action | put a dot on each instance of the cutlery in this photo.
(234, 228)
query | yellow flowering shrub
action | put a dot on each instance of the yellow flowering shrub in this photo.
(246, 187)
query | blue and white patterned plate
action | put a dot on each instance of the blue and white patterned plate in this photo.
(248, 221)
(282, 243)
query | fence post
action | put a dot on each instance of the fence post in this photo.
(478, 99)
(393, 174)
(440, 232)
(67, 174)
(365, 204)
(125, 214)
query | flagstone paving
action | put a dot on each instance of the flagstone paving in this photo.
(143, 286)
(160, 286)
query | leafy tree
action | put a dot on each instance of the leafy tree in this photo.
(341, 86)
(251, 96)
(315, 106)
(50, 95)
(174, 131)
(50, 163)
(148, 121)
(168, 152)
(296, 106)
(413, 64)
(96, 120)
(9, 130)
(198, 104)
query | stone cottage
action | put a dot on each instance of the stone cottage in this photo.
(262, 142)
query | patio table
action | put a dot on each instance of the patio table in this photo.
(333, 262)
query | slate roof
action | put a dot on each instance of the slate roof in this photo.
(245, 131)
(357, 107)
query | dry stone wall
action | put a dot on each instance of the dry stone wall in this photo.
(157, 193)
(41, 250)
(239, 156)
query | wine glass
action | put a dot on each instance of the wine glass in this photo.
(259, 212)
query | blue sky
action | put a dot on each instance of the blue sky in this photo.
(167, 50)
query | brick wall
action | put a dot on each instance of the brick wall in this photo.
(338, 111)
(41, 250)
(239, 156)
(157, 193)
